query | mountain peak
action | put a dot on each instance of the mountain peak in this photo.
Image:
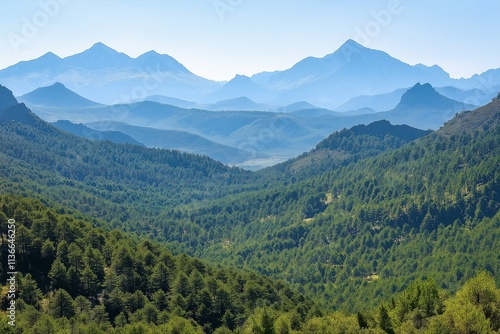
(421, 95)
(158, 62)
(98, 56)
(241, 78)
(351, 44)
(100, 45)
(56, 95)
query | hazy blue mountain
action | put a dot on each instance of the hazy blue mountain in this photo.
(107, 76)
(388, 101)
(262, 78)
(7, 99)
(239, 86)
(473, 96)
(171, 101)
(350, 71)
(237, 104)
(56, 95)
(486, 81)
(379, 102)
(300, 105)
(83, 131)
(98, 57)
(276, 134)
(177, 140)
(424, 108)
(26, 76)
(161, 63)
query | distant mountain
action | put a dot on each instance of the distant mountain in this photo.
(56, 95)
(473, 96)
(83, 131)
(110, 77)
(423, 107)
(350, 71)
(384, 102)
(152, 61)
(171, 101)
(300, 105)
(107, 76)
(237, 104)
(379, 102)
(239, 86)
(98, 57)
(176, 140)
(7, 99)
(487, 81)
(276, 135)
(26, 76)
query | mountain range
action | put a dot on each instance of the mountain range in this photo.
(253, 139)
(350, 224)
(106, 76)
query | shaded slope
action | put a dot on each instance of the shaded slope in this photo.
(56, 95)
(177, 140)
(81, 130)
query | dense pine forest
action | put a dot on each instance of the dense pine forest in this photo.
(380, 228)
(80, 279)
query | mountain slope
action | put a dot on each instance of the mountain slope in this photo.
(119, 172)
(480, 119)
(117, 284)
(7, 99)
(56, 95)
(177, 140)
(347, 146)
(347, 236)
(88, 133)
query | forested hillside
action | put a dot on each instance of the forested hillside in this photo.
(99, 279)
(344, 147)
(354, 234)
(370, 212)
(109, 181)
(75, 278)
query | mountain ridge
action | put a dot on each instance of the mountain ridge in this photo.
(56, 95)
(329, 81)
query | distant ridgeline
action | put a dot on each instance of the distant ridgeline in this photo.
(398, 226)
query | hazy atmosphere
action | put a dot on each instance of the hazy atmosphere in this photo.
(217, 39)
(249, 167)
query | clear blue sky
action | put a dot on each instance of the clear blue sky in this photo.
(220, 38)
